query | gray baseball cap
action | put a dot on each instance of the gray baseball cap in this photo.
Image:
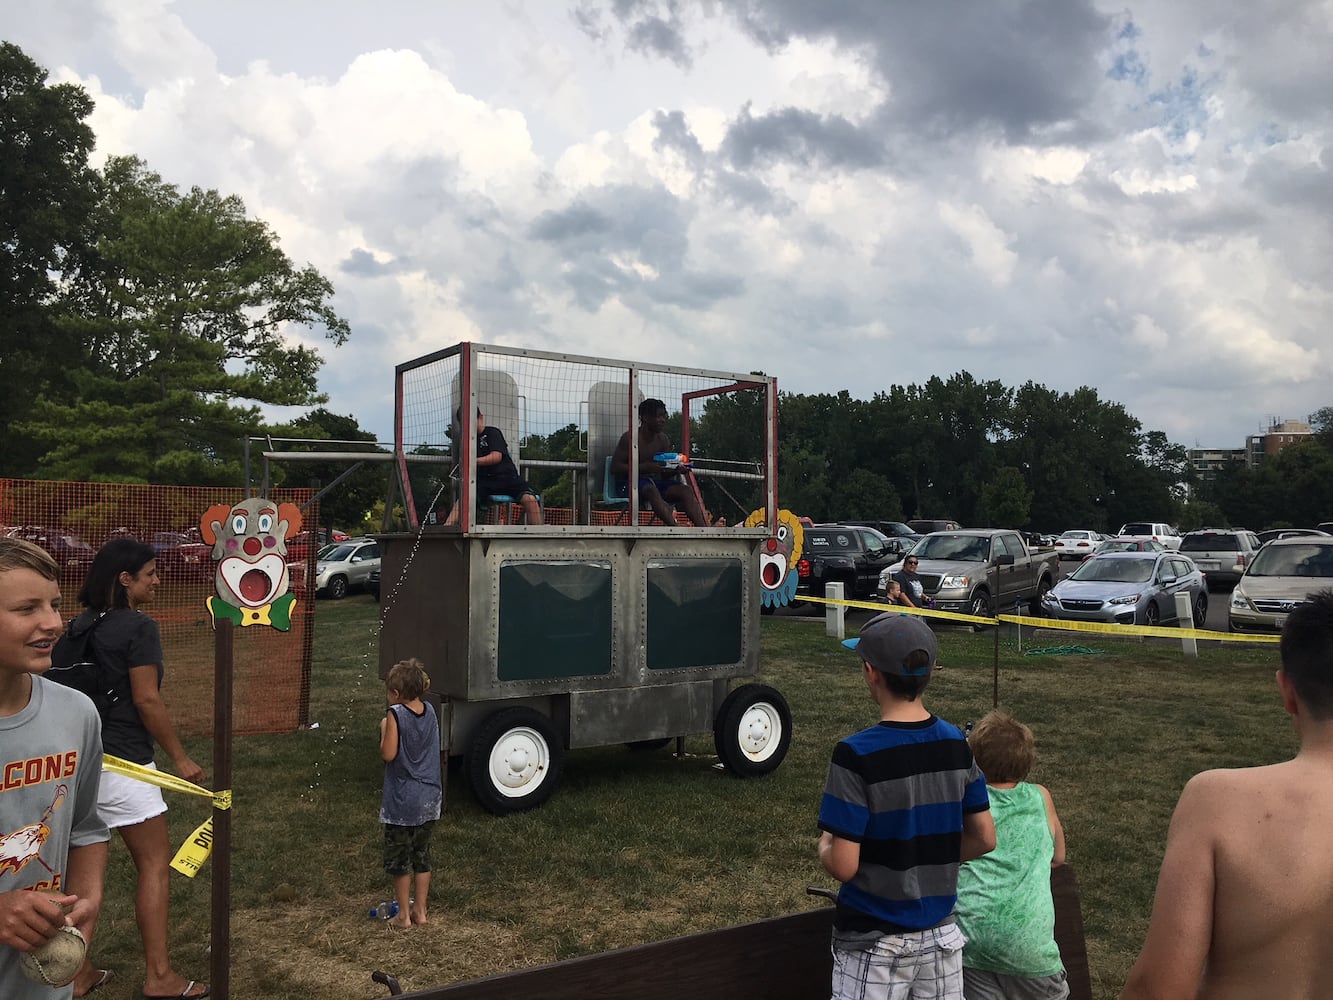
(887, 640)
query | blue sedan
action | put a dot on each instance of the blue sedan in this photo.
(1129, 588)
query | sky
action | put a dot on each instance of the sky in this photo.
(850, 194)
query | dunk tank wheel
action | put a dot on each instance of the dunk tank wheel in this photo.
(515, 761)
(752, 731)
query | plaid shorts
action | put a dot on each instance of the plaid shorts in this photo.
(922, 965)
(407, 848)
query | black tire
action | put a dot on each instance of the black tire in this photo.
(766, 609)
(515, 761)
(1043, 588)
(1151, 616)
(337, 588)
(752, 731)
(979, 607)
(1201, 609)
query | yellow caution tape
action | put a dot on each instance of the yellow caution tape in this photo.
(196, 850)
(221, 799)
(1110, 628)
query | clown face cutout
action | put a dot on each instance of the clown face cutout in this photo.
(778, 556)
(249, 542)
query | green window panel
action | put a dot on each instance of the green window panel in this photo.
(555, 620)
(694, 612)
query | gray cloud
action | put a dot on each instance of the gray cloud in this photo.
(673, 132)
(569, 224)
(802, 137)
(362, 263)
(653, 27)
(1023, 67)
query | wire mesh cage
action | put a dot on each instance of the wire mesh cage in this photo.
(562, 418)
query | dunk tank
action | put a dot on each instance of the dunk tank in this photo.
(602, 625)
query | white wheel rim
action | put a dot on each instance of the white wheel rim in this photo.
(760, 732)
(519, 762)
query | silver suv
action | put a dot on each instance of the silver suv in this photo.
(1222, 553)
(344, 565)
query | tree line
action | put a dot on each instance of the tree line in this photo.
(144, 329)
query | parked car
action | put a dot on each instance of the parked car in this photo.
(1158, 531)
(71, 553)
(1129, 588)
(1221, 553)
(899, 535)
(342, 567)
(980, 570)
(927, 525)
(890, 529)
(1077, 543)
(1277, 581)
(1126, 545)
(373, 584)
(180, 558)
(850, 554)
(1267, 536)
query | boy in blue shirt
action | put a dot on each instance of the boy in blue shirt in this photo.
(904, 804)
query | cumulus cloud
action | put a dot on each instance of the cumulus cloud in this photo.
(845, 195)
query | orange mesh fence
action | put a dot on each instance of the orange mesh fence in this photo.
(513, 514)
(271, 690)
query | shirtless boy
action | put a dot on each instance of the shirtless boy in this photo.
(658, 486)
(1243, 904)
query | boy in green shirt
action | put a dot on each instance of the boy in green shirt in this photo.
(1004, 897)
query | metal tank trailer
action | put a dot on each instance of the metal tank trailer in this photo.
(606, 628)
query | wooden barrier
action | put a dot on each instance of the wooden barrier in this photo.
(782, 958)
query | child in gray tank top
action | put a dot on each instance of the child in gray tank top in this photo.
(413, 787)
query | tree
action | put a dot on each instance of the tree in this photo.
(868, 496)
(47, 190)
(347, 504)
(1005, 499)
(1321, 422)
(180, 311)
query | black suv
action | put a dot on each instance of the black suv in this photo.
(850, 554)
(898, 534)
(1221, 553)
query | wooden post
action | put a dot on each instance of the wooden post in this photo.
(220, 955)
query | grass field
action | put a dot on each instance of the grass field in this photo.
(640, 846)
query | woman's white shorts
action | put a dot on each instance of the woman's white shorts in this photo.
(126, 801)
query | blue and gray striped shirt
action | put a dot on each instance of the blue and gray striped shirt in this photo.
(900, 790)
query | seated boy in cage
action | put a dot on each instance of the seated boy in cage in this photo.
(1004, 905)
(496, 473)
(659, 487)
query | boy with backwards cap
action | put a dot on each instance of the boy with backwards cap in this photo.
(903, 806)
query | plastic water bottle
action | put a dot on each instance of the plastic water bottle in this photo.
(385, 911)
